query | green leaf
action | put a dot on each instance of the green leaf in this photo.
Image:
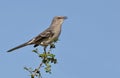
(48, 69)
(51, 55)
(36, 50)
(52, 46)
(32, 76)
(55, 61)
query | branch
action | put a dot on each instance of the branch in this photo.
(47, 59)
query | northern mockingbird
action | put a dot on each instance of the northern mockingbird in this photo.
(46, 37)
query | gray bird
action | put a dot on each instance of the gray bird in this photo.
(46, 37)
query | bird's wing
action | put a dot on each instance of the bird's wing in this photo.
(41, 37)
(37, 40)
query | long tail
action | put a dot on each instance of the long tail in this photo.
(20, 46)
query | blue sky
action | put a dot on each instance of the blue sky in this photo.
(89, 45)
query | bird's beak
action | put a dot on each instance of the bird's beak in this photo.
(65, 17)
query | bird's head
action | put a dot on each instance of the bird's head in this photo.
(59, 19)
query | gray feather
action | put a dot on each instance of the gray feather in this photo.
(20, 46)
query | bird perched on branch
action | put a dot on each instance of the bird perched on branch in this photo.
(46, 37)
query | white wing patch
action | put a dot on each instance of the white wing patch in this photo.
(31, 41)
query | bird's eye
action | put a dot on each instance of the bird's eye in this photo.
(59, 17)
